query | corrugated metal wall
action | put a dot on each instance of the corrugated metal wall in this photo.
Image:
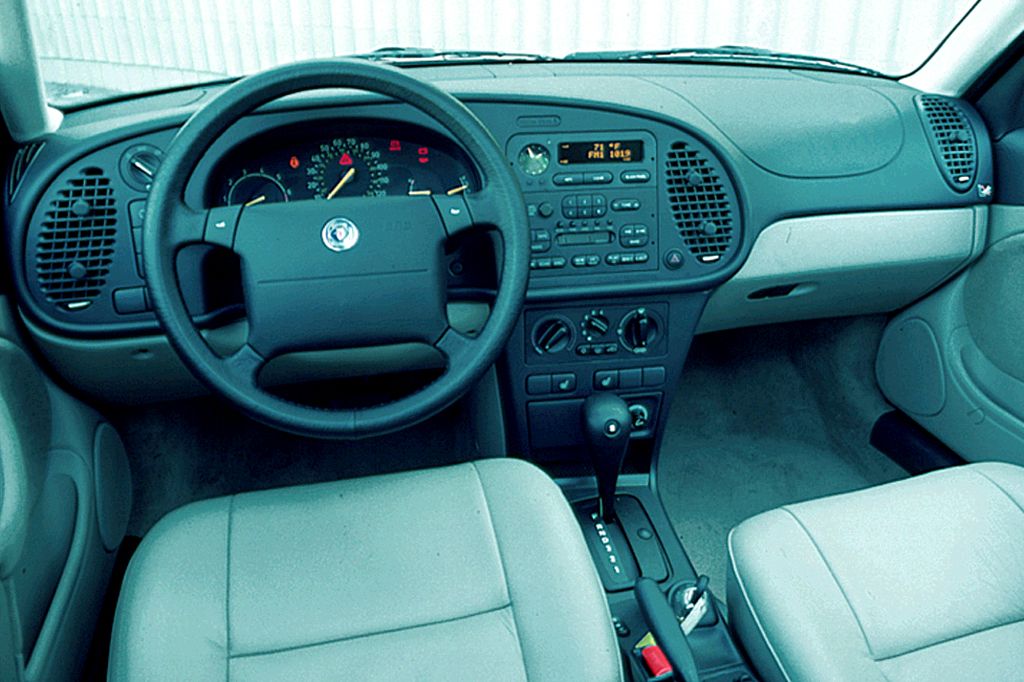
(138, 44)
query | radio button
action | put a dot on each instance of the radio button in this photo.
(597, 178)
(568, 179)
(558, 262)
(634, 176)
(625, 204)
(579, 261)
(592, 260)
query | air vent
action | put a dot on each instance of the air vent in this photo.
(22, 158)
(701, 200)
(76, 244)
(952, 139)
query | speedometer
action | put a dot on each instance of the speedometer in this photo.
(347, 166)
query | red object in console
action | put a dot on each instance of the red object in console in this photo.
(655, 660)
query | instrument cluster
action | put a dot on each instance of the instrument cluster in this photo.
(336, 159)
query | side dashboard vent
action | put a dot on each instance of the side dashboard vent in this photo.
(702, 202)
(76, 243)
(952, 139)
(19, 165)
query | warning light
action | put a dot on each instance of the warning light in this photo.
(345, 160)
(395, 146)
(424, 159)
(293, 162)
(423, 151)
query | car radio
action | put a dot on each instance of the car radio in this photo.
(592, 201)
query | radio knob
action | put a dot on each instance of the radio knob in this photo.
(545, 210)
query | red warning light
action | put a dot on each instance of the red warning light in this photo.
(345, 160)
(293, 162)
(424, 159)
(423, 151)
(395, 146)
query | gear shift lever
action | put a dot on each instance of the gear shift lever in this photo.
(607, 423)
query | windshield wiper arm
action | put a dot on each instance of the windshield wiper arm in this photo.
(426, 55)
(735, 54)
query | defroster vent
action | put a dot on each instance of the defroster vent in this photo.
(19, 166)
(702, 201)
(952, 139)
(76, 243)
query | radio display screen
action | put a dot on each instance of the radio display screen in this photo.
(605, 151)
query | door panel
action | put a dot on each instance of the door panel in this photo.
(963, 379)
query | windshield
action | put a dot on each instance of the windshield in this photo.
(100, 48)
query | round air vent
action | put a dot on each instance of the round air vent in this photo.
(702, 200)
(76, 243)
(952, 139)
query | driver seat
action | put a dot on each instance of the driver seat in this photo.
(476, 571)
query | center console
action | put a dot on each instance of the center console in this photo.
(632, 224)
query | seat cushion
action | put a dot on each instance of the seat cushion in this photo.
(477, 571)
(922, 579)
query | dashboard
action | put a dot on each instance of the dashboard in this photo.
(662, 199)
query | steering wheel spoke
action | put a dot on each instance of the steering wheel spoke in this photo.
(454, 345)
(189, 226)
(485, 208)
(244, 365)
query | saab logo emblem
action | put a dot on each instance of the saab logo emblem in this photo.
(340, 234)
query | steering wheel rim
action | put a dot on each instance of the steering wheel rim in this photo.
(170, 225)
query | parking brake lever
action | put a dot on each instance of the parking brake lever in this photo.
(664, 625)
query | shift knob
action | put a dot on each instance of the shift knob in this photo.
(606, 423)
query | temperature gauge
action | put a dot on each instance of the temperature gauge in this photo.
(534, 159)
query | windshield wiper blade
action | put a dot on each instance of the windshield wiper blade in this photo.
(425, 55)
(734, 54)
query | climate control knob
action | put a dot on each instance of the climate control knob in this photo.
(551, 335)
(638, 331)
(595, 325)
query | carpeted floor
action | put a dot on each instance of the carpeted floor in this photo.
(192, 450)
(765, 417)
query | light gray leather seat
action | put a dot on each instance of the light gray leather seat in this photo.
(477, 572)
(922, 579)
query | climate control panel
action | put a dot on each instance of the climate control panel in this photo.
(596, 332)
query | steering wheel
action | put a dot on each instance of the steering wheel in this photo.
(320, 275)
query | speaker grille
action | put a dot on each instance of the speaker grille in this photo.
(701, 204)
(952, 139)
(76, 244)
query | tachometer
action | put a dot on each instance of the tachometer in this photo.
(255, 188)
(347, 166)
